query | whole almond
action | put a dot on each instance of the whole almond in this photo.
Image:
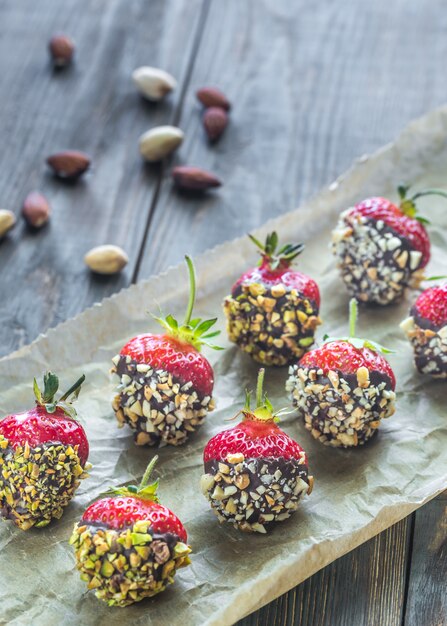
(153, 83)
(215, 121)
(157, 143)
(61, 49)
(213, 97)
(106, 259)
(7, 221)
(36, 209)
(69, 164)
(194, 178)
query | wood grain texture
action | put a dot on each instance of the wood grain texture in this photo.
(313, 86)
(91, 106)
(426, 603)
(363, 588)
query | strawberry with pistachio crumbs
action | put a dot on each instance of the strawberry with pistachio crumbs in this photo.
(128, 546)
(166, 384)
(272, 312)
(255, 474)
(382, 248)
(426, 328)
(343, 389)
(43, 456)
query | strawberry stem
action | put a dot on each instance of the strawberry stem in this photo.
(429, 192)
(353, 314)
(259, 388)
(147, 474)
(192, 290)
(408, 205)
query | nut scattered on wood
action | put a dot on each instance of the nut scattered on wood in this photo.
(213, 97)
(215, 121)
(158, 142)
(106, 259)
(194, 178)
(153, 83)
(61, 49)
(7, 221)
(69, 164)
(36, 209)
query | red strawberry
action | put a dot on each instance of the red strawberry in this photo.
(255, 473)
(166, 383)
(272, 312)
(43, 455)
(427, 330)
(128, 546)
(381, 247)
(343, 389)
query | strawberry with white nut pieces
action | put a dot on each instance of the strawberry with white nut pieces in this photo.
(166, 384)
(255, 474)
(343, 389)
(426, 329)
(272, 311)
(382, 248)
(43, 456)
(128, 546)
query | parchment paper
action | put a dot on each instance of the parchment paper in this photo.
(357, 492)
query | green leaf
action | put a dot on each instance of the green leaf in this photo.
(435, 278)
(51, 385)
(423, 220)
(193, 323)
(172, 322)
(68, 409)
(37, 392)
(204, 326)
(209, 335)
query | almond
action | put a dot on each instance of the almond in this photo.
(158, 142)
(7, 221)
(213, 97)
(215, 121)
(69, 164)
(106, 259)
(61, 49)
(194, 178)
(153, 83)
(36, 209)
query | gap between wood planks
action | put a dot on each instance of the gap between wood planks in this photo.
(204, 10)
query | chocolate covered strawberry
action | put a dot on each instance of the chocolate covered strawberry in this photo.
(166, 384)
(343, 389)
(43, 456)
(255, 474)
(427, 330)
(272, 312)
(382, 248)
(128, 546)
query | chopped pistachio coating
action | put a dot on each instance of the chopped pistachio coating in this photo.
(126, 566)
(36, 484)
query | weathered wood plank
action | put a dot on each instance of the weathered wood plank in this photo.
(91, 106)
(314, 85)
(426, 603)
(363, 588)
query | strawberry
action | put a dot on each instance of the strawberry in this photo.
(128, 546)
(255, 474)
(427, 330)
(43, 456)
(381, 248)
(343, 389)
(166, 384)
(272, 312)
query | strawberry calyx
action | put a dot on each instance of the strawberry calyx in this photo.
(264, 411)
(408, 205)
(352, 339)
(192, 331)
(47, 399)
(274, 258)
(144, 491)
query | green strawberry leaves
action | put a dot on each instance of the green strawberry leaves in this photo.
(50, 388)
(193, 331)
(284, 255)
(408, 205)
(145, 491)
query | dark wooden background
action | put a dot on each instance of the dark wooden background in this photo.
(314, 85)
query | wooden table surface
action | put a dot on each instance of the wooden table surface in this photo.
(313, 85)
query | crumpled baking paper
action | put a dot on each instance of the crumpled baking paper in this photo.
(357, 492)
